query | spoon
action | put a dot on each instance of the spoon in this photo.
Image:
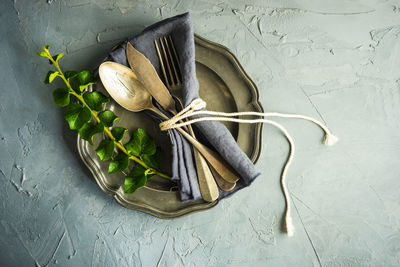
(124, 87)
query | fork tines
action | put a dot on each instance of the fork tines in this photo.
(169, 61)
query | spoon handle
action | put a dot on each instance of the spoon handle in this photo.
(214, 159)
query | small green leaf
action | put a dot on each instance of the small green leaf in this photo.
(41, 53)
(119, 164)
(70, 74)
(105, 150)
(56, 58)
(118, 133)
(108, 117)
(46, 47)
(85, 78)
(95, 100)
(50, 76)
(135, 179)
(153, 161)
(89, 129)
(141, 144)
(61, 97)
(76, 115)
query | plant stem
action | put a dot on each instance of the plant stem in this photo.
(106, 130)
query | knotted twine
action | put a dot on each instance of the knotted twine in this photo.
(196, 107)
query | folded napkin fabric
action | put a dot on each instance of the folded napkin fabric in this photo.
(183, 167)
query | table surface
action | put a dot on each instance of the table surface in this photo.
(337, 61)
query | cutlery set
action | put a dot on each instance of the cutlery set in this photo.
(134, 88)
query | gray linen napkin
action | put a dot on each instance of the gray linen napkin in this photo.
(183, 168)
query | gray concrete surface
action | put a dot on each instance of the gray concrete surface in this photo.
(335, 60)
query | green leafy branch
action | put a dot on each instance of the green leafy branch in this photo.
(89, 118)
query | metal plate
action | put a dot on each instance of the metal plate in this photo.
(225, 87)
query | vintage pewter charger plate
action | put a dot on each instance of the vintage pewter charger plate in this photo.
(225, 87)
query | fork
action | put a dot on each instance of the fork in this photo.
(170, 67)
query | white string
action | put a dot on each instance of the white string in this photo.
(289, 227)
(193, 109)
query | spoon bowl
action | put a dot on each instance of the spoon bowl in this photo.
(124, 87)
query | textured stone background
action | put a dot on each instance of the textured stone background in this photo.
(334, 60)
